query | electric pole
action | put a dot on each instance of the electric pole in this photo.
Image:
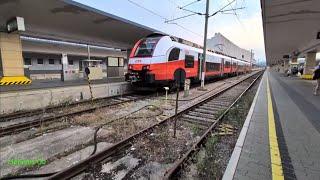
(204, 46)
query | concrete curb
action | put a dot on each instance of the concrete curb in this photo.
(233, 162)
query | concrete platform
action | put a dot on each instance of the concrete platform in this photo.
(51, 95)
(281, 135)
(43, 84)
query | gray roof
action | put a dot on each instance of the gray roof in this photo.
(68, 20)
(290, 27)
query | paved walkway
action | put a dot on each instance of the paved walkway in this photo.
(282, 140)
(42, 84)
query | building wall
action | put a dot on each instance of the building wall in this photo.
(38, 71)
(35, 50)
(222, 44)
(46, 71)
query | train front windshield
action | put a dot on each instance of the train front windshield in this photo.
(146, 47)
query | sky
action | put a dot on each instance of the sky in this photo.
(245, 29)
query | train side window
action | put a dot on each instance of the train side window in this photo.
(212, 66)
(174, 54)
(227, 64)
(189, 61)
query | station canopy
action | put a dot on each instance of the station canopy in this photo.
(70, 21)
(290, 27)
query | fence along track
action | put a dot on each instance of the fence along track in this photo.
(115, 148)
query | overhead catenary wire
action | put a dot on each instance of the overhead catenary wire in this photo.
(221, 9)
(235, 13)
(162, 17)
(180, 17)
(190, 3)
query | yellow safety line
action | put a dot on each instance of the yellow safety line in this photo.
(276, 166)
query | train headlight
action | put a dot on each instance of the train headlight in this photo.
(130, 67)
(147, 67)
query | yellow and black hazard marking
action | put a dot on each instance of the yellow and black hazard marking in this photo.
(14, 80)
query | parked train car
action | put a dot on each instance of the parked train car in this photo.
(159, 60)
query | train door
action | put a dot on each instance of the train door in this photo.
(232, 67)
(172, 63)
(222, 67)
(200, 57)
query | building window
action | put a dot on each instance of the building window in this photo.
(51, 61)
(121, 62)
(242, 56)
(174, 54)
(70, 62)
(27, 61)
(113, 62)
(40, 61)
(189, 62)
(60, 61)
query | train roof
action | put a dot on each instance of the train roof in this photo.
(209, 52)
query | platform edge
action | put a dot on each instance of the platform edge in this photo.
(233, 162)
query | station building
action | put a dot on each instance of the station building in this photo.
(222, 44)
(43, 60)
(61, 39)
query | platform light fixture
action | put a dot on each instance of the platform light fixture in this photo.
(16, 24)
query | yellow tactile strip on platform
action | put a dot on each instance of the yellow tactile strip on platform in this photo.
(307, 76)
(276, 164)
(14, 80)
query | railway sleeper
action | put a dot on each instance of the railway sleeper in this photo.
(211, 107)
(211, 112)
(193, 121)
(197, 118)
(228, 97)
(216, 105)
(209, 116)
(219, 103)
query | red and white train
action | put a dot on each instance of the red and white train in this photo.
(159, 60)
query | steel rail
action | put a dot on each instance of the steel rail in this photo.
(21, 114)
(178, 165)
(37, 122)
(104, 154)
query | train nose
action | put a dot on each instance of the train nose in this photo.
(146, 67)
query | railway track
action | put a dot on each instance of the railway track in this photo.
(50, 114)
(207, 113)
(23, 114)
(55, 115)
(173, 172)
